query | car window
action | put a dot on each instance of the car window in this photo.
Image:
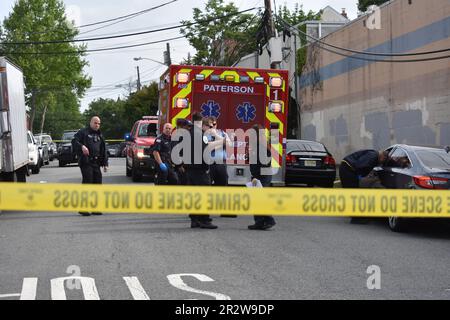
(304, 146)
(68, 136)
(438, 159)
(29, 138)
(147, 130)
(398, 158)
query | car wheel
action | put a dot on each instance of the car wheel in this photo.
(397, 224)
(329, 185)
(36, 169)
(310, 185)
(135, 175)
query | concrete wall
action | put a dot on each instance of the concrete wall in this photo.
(349, 104)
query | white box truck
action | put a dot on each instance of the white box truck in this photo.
(14, 155)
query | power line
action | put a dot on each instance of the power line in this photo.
(365, 52)
(385, 60)
(131, 15)
(91, 50)
(125, 35)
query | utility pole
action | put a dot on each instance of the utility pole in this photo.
(167, 60)
(271, 31)
(138, 79)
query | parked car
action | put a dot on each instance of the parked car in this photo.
(310, 163)
(52, 148)
(414, 167)
(65, 151)
(44, 151)
(35, 163)
(116, 150)
(139, 158)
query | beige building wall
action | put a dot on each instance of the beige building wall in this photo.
(349, 104)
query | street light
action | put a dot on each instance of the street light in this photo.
(140, 58)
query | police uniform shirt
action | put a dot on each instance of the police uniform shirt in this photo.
(163, 144)
(94, 144)
(196, 136)
(362, 162)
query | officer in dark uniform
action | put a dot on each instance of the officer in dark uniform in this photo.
(180, 169)
(257, 170)
(356, 166)
(198, 169)
(90, 146)
(162, 152)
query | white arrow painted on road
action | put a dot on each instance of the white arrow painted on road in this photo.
(176, 281)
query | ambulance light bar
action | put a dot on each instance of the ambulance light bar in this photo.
(182, 103)
(229, 78)
(275, 107)
(215, 77)
(182, 77)
(276, 82)
(200, 77)
(259, 80)
(244, 79)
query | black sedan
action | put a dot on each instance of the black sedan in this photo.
(310, 163)
(414, 167)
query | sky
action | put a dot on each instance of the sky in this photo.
(111, 70)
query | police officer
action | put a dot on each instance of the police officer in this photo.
(182, 124)
(162, 152)
(198, 169)
(90, 146)
(356, 166)
(218, 169)
(259, 169)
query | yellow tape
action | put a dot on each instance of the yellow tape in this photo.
(225, 200)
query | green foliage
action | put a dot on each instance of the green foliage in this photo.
(118, 116)
(53, 82)
(222, 41)
(363, 5)
(297, 16)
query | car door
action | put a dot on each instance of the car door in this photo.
(398, 169)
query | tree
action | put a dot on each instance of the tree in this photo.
(363, 5)
(51, 79)
(111, 113)
(221, 41)
(141, 103)
(118, 116)
(297, 16)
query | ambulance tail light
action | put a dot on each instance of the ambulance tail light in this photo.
(182, 103)
(182, 77)
(276, 107)
(276, 82)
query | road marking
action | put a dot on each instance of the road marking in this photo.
(88, 284)
(177, 281)
(136, 289)
(29, 289)
(9, 295)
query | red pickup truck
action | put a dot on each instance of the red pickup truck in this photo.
(139, 159)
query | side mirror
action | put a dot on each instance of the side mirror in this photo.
(377, 169)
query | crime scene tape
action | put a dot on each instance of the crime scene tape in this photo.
(109, 140)
(224, 200)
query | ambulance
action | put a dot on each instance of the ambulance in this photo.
(239, 98)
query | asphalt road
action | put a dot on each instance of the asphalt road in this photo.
(125, 256)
